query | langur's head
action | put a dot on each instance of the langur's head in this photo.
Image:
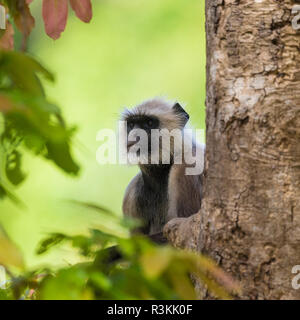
(141, 121)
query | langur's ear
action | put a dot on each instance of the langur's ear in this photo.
(179, 110)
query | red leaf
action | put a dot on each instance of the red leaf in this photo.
(83, 9)
(7, 40)
(55, 14)
(23, 18)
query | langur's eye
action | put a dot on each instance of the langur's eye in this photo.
(150, 123)
(130, 125)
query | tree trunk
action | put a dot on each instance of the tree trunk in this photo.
(250, 217)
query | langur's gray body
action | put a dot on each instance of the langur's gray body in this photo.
(160, 192)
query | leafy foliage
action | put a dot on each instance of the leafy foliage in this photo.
(161, 272)
(29, 121)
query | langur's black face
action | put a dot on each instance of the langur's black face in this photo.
(144, 122)
(157, 123)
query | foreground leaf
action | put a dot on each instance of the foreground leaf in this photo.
(23, 18)
(55, 15)
(23, 71)
(68, 284)
(13, 169)
(39, 124)
(83, 9)
(53, 240)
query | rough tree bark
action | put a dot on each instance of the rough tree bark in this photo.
(250, 218)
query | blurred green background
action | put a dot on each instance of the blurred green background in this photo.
(131, 50)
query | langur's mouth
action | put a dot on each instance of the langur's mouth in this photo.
(132, 143)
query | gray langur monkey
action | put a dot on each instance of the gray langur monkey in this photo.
(160, 192)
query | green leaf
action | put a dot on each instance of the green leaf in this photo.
(23, 71)
(61, 155)
(41, 126)
(93, 206)
(53, 240)
(68, 284)
(154, 262)
(100, 280)
(13, 168)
